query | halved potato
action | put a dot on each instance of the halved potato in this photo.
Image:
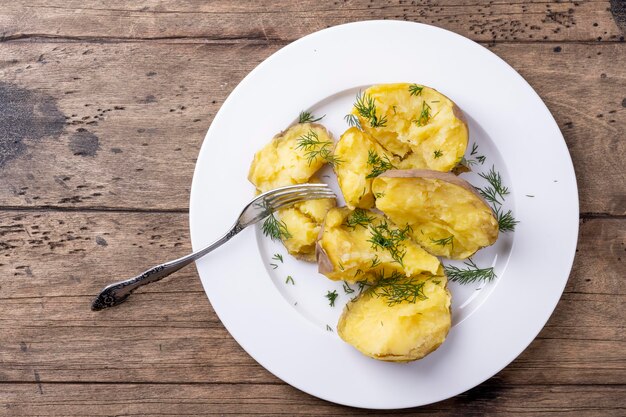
(345, 249)
(446, 214)
(303, 222)
(379, 326)
(283, 162)
(417, 123)
(361, 157)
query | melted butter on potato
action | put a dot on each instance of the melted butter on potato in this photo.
(425, 129)
(400, 332)
(447, 216)
(281, 163)
(346, 253)
(354, 149)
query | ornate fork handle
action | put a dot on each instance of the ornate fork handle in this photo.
(118, 292)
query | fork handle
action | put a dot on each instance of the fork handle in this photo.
(118, 292)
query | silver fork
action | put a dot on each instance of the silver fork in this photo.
(258, 209)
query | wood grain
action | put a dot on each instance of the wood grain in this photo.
(133, 144)
(269, 21)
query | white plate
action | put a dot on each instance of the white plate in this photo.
(283, 326)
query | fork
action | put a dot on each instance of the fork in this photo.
(258, 209)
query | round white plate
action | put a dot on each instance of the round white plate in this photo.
(290, 329)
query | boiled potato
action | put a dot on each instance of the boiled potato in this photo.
(303, 222)
(400, 319)
(284, 161)
(362, 159)
(446, 214)
(345, 249)
(417, 123)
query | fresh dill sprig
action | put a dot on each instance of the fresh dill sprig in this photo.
(378, 164)
(332, 296)
(396, 288)
(274, 266)
(437, 153)
(506, 221)
(489, 194)
(495, 180)
(390, 240)
(424, 115)
(375, 261)
(274, 228)
(329, 329)
(358, 217)
(481, 159)
(474, 149)
(415, 90)
(444, 241)
(352, 121)
(347, 289)
(308, 117)
(290, 280)
(365, 105)
(278, 257)
(315, 148)
(470, 274)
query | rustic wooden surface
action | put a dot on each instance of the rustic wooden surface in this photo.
(103, 108)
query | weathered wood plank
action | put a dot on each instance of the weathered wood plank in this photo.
(52, 263)
(134, 143)
(274, 400)
(280, 21)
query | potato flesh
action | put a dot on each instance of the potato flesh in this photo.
(279, 164)
(353, 149)
(349, 251)
(438, 144)
(401, 332)
(303, 223)
(436, 210)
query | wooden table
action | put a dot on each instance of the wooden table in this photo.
(103, 108)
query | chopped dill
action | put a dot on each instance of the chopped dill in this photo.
(470, 274)
(495, 181)
(390, 240)
(358, 217)
(347, 289)
(278, 257)
(378, 164)
(357, 272)
(444, 241)
(332, 296)
(308, 117)
(424, 115)
(375, 261)
(396, 288)
(438, 153)
(274, 228)
(506, 221)
(290, 280)
(352, 121)
(328, 328)
(365, 105)
(274, 266)
(379, 195)
(415, 90)
(474, 149)
(315, 148)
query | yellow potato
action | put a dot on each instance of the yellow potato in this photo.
(284, 162)
(303, 222)
(417, 123)
(379, 326)
(361, 157)
(446, 214)
(345, 249)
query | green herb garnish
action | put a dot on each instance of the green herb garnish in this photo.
(278, 257)
(396, 288)
(332, 296)
(347, 289)
(415, 90)
(358, 217)
(378, 164)
(274, 228)
(390, 240)
(424, 115)
(470, 274)
(315, 148)
(308, 117)
(352, 121)
(290, 280)
(506, 221)
(438, 154)
(444, 241)
(365, 105)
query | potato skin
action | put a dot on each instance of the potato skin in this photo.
(437, 142)
(401, 332)
(345, 253)
(447, 215)
(353, 149)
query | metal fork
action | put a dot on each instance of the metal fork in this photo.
(259, 208)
